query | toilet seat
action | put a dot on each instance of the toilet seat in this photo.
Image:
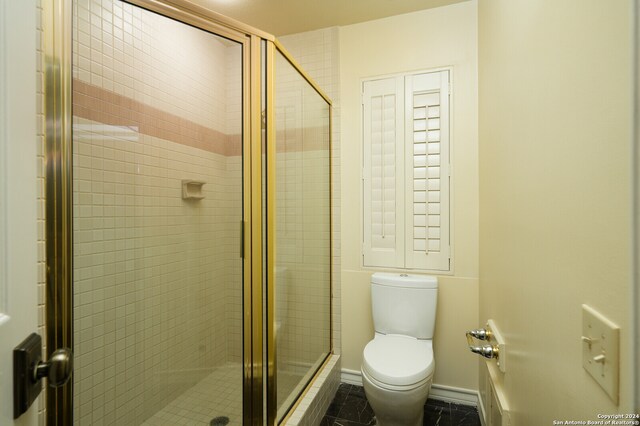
(397, 362)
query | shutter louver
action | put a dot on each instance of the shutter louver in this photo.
(406, 172)
(427, 136)
(383, 171)
(426, 156)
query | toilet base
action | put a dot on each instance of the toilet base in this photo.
(397, 407)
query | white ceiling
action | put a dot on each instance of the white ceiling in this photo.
(281, 17)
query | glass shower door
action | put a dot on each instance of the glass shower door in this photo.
(302, 272)
(157, 206)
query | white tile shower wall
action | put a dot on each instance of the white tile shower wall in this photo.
(157, 279)
(151, 59)
(318, 54)
(150, 269)
(302, 244)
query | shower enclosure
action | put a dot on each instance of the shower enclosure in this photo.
(188, 216)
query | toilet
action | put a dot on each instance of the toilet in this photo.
(398, 364)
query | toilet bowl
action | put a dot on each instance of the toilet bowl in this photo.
(397, 373)
(398, 364)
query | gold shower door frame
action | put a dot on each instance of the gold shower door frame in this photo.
(274, 46)
(57, 42)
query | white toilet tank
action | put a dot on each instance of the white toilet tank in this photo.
(404, 304)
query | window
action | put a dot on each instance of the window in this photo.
(406, 171)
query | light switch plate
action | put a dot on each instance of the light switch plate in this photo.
(600, 350)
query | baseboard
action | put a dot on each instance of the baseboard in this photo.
(351, 377)
(452, 394)
(481, 412)
(439, 392)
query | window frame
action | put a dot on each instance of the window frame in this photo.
(451, 192)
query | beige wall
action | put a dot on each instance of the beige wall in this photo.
(432, 38)
(554, 194)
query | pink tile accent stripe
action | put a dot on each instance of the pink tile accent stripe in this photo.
(104, 106)
(302, 139)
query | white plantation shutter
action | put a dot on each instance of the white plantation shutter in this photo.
(406, 172)
(427, 171)
(383, 110)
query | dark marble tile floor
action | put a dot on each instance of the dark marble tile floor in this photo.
(350, 408)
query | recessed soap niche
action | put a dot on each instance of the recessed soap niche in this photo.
(192, 189)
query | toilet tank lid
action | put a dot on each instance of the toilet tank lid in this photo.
(404, 280)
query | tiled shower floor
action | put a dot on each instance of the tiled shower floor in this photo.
(217, 395)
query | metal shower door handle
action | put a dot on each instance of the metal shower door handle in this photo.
(57, 370)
